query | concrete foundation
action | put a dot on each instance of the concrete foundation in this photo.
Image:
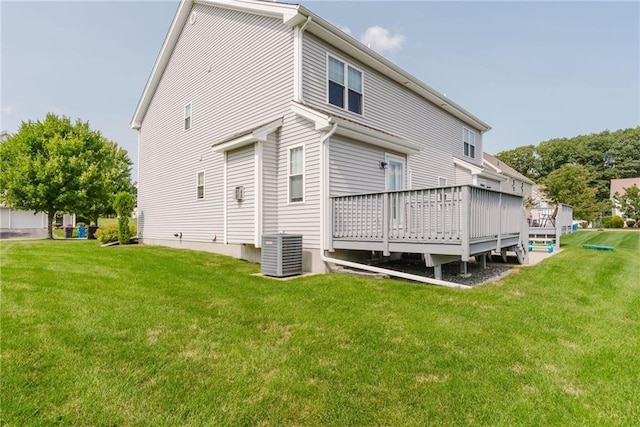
(311, 261)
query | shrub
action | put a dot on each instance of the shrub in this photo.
(631, 223)
(605, 222)
(124, 204)
(107, 234)
(617, 222)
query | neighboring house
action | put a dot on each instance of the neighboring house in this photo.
(261, 117)
(619, 186)
(538, 196)
(515, 182)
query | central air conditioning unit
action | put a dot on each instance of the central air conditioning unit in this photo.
(281, 255)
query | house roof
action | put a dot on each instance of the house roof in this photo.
(293, 15)
(501, 167)
(247, 136)
(619, 185)
(479, 171)
(348, 128)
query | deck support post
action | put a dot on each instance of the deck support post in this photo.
(386, 224)
(483, 260)
(463, 267)
(437, 271)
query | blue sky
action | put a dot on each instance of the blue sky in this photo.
(532, 70)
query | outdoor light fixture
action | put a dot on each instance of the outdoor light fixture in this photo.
(383, 165)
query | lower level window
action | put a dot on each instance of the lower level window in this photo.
(296, 174)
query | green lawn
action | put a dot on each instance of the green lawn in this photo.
(153, 336)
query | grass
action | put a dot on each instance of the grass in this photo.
(153, 336)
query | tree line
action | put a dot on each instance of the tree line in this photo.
(578, 170)
(56, 165)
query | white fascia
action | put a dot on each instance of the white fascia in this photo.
(355, 131)
(287, 12)
(258, 134)
(477, 171)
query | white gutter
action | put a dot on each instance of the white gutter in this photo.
(324, 155)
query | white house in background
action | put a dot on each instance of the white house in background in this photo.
(262, 117)
(619, 186)
(539, 198)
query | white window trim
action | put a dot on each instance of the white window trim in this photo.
(204, 184)
(347, 64)
(184, 111)
(442, 178)
(304, 174)
(474, 143)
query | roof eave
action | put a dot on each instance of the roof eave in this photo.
(338, 38)
(288, 13)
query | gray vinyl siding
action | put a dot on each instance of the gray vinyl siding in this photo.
(301, 218)
(236, 69)
(463, 176)
(355, 177)
(395, 109)
(241, 214)
(270, 185)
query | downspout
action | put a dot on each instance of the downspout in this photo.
(324, 217)
(300, 94)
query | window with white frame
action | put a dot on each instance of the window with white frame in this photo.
(200, 186)
(187, 116)
(442, 182)
(469, 140)
(344, 85)
(296, 174)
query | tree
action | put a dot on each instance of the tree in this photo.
(570, 185)
(116, 175)
(124, 204)
(629, 202)
(523, 159)
(54, 166)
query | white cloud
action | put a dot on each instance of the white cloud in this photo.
(381, 40)
(6, 109)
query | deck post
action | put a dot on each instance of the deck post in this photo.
(463, 267)
(465, 222)
(437, 271)
(498, 241)
(330, 232)
(386, 217)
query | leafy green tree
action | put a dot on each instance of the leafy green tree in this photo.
(570, 185)
(116, 177)
(124, 203)
(524, 159)
(629, 202)
(53, 166)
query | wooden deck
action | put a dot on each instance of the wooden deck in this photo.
(444, 224)
(551, 223)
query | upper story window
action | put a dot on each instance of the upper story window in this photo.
(296, 174)
(344, 86)
(200, 186)
(187, 116)
(469, 140)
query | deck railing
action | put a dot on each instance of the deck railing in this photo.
(457, 215)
